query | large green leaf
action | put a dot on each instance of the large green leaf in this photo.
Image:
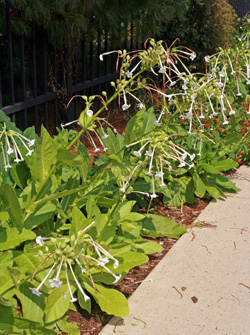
(159, 226)
(200, 187)
(57, 303)
(78, 221)
(224, 164)
(45, 155)
(6, 259)
(122, 210)
(223, 183)
(129, 260)
(147, 247)
(68, 158)
(213, 190)
(20, 174)
(148, 121)
(15, 237)
(71, 184)
(32, 305)
(10, 200)
(110, 301)
(41, 214)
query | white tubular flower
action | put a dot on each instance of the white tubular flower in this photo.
(138, 153)
(73, 299)
(89, 112)
(162, 175)
(130, 74)
(117, 278)
(162, 68)
(104, 148)
(182, 164)
(93, 143)
(106, 53)
(150, 164)
(123, 189)
(6, 160)
(9, 150)
(153, 195)
(199, 154)
(80, 265)
(102, 261)
(36, 290)
(157, 122)
(56, 283)
(85, 296)
(40, 240)
(125, 106)
(206, 58)
(238, 88)
(193, 56)
(211, 105)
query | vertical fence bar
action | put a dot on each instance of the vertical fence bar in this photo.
(91, 64)
(75, 83)
(23, 86)
(55, 83)
(1, 100)
(69, 86)
(99, 88)
(44, 78)
(10, 56)
(34, 74)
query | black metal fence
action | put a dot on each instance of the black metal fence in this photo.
(242, 7)
(36, 81)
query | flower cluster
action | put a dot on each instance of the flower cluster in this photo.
(72, 252)
(10, 139)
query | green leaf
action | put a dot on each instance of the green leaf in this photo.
(200, 187)
(6, 259)
(72, 183)
(131, 230)
(10, 200)
(232, 138)
(148, 120)
(208, 168)
(57, 303)
(158, 226)
(78, 221)
(147, 247)
(84, 304)
(15, 236)
(110, 301)
(224, 164)
(41, 214)
(69, 327)
(15, 274)
(66, 157)
(129, 260)
(45, 155)
(7, 303)
(213, 190)
(223, 183)
(32, 305)
(122, 210)
(20, 174)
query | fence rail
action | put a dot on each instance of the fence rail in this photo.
(37, 81)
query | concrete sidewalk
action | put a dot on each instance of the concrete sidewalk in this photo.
(202, 285)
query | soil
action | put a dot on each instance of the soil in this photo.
(92, 324)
